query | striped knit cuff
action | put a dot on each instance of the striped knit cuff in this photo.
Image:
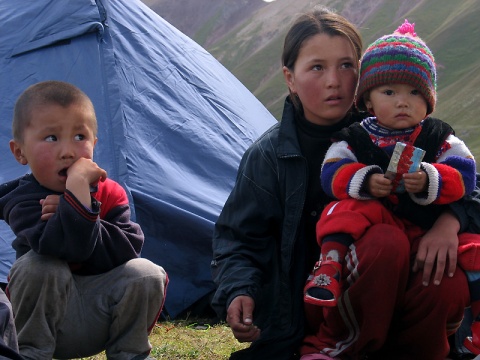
(357, 184)
(433, 189)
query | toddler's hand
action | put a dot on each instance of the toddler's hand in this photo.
(379, 186)
(415, 182)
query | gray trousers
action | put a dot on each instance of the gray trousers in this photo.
(61, 315)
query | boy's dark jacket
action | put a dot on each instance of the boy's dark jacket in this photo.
(91, 241)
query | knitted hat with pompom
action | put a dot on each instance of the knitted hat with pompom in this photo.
(401, 57)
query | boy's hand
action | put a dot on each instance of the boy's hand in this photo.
(86, 171)
(379, 186)
(49, 206)
(83, 173)
(415, 182)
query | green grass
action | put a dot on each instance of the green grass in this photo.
(175, 340)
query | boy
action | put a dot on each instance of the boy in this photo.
(78, 285)
(398, 86)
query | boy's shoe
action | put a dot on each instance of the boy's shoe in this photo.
(472, 343)
(323, 284)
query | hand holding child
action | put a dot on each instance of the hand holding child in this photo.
(438, 249)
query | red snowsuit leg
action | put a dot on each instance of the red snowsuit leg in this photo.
(384, 306)
(354, 217)
(469, 251)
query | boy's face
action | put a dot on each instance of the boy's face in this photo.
(54, 139)
(397, 106)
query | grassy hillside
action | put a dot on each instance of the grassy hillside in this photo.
(250, 46)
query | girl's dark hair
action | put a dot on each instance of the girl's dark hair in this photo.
(320, 20)
(46, 93)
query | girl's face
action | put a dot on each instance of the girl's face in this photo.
(324, 78)
(397, 106)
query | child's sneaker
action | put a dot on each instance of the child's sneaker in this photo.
(323, 284)
(472, 343)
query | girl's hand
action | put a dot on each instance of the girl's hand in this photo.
(438, 247)
(240, 319)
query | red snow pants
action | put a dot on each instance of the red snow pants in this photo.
(384, 308)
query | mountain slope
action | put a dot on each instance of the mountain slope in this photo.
(246, 36)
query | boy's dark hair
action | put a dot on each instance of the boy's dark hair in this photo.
(47, 93)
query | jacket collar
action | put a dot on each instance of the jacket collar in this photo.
(288, 145)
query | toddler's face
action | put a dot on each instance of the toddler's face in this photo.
(55, 138)
(397, 106)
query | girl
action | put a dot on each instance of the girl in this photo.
(264, 240)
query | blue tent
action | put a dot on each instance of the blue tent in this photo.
(173, 122)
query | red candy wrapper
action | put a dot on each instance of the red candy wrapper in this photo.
(405, 159)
